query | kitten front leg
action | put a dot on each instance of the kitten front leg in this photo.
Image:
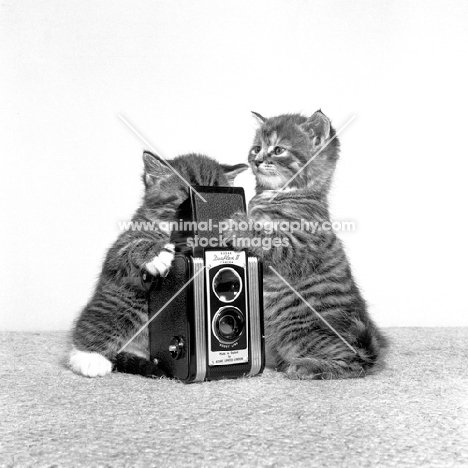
(107, 322)
(161, 263)
(113, 315)
(240, 239)
(132, 250)
(281, 249)
(136, 250)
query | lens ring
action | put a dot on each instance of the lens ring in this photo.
(227, 284)
(228, 324)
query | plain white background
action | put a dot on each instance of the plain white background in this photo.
(187, 74)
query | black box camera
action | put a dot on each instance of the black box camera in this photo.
(207, 313)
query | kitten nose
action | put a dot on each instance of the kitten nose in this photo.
(258, 162)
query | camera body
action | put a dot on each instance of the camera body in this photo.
(206, 315)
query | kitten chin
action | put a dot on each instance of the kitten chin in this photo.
(270, 182)
(267, 193)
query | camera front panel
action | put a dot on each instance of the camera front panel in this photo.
(185, 318)
(228, 319)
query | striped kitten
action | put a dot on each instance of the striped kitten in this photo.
(116, 309)
(298, 342)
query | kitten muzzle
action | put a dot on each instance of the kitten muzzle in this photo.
(267, 169)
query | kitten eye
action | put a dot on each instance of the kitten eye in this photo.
(317, 141)
(256, 149)
(278, 150)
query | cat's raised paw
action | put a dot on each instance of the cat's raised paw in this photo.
(89, 364)
(161, 263)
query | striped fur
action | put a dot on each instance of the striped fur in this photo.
(315, 264)
(116, 310)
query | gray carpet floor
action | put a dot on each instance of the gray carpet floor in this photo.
(413, 413)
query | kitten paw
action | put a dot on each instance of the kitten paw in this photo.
(89, 364)
(307, 369)
(161, 263)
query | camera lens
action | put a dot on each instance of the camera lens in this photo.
(227, 284)
(228, 324)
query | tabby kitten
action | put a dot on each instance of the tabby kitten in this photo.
(117, 310)
(297, 341)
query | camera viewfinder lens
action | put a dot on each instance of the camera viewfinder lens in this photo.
(227, 284)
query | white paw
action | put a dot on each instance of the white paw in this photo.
(89, 364)
(161, 263)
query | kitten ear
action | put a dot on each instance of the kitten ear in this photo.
(318, 124)
(232, 172)
(155, 168)
(259, 117)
